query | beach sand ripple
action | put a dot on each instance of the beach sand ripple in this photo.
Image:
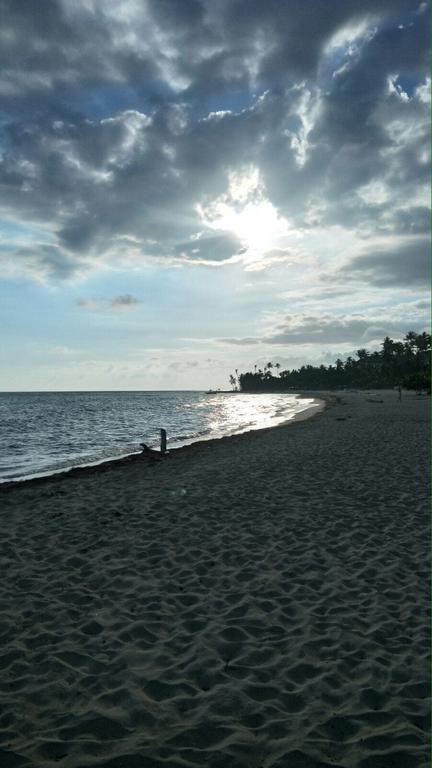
(259, 601)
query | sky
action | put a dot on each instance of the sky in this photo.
(189, 187)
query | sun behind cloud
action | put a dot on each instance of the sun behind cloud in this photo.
(245, 210)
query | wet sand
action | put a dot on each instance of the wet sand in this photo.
(258, 601)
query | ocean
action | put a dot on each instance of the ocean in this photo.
(48, 432)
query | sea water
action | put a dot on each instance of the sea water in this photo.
(47, 432)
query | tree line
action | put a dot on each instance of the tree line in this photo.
(405, 363)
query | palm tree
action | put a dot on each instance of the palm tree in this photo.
(410, 340)
(387, 348)
(362, 354)
(423, 341)
(396, 361)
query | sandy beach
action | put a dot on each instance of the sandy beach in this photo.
(260, 601)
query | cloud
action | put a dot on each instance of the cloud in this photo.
(63, 351)
(124, 119)
(116, 304)
(123, 302)
(40, 261)
(406, 264)
(246, 341)
(325, 329)
(210, 248)
(183, 365)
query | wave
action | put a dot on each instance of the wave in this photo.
(54, 432)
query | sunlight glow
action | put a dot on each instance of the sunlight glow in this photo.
(245, 211)
(258, 225)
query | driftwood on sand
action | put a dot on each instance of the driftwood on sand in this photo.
(151, 453)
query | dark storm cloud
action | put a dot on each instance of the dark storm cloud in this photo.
(290, 34)
(102, 135)
(404, 265)
(142, 43)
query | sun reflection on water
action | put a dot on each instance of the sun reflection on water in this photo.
(234, 413)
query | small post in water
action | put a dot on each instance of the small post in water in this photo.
(163, 441)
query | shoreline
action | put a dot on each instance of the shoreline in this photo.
(104, 465)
